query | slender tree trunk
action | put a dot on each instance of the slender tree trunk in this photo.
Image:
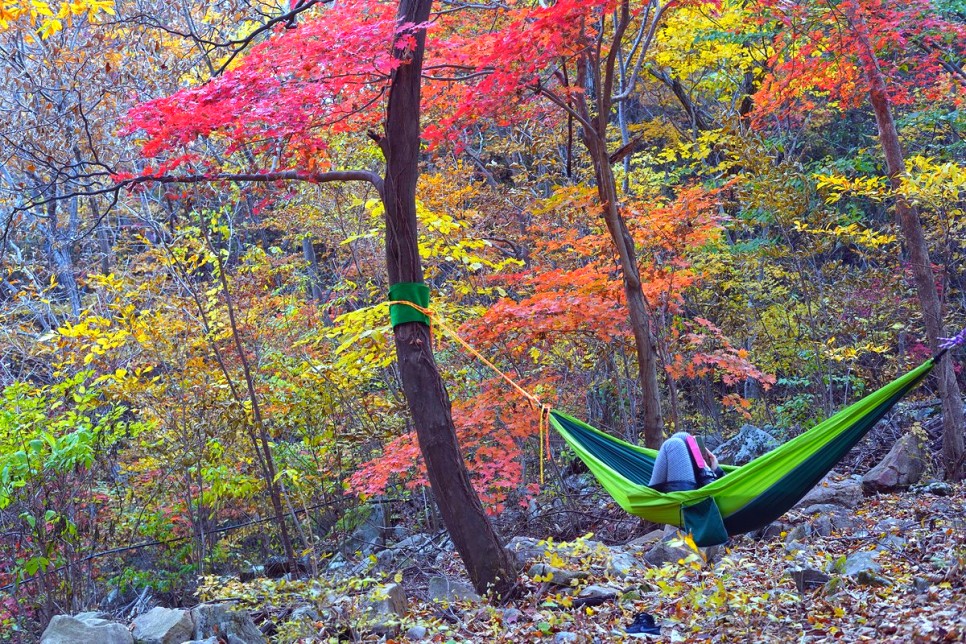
(637, 309)
(487, 562)
(918, 251)
(315, 280)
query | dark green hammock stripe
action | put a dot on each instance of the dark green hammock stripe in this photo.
(789, 490)
(750, 496)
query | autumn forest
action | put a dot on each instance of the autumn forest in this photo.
(287, 292)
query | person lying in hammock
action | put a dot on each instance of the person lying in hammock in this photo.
(682, 464)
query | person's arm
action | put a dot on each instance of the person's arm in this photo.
(713, 462)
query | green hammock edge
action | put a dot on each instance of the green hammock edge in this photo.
(750, 496)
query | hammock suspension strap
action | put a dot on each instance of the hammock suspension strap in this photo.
(419, 311)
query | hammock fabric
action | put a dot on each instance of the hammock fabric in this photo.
(748, 497)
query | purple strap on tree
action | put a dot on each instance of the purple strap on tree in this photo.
(957, 340)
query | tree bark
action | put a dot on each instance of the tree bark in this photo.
(637, 310)
(487, 562)
(594, 135)
(918, 252)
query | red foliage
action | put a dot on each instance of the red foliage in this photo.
(817, 60)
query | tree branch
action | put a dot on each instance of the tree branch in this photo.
(249, 177)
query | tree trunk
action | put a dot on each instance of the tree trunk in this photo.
(487, 562)
(315, 280)
(915, 243)
(636, 305)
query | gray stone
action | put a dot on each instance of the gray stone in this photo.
(798, 533)
(772, 530)
(388, 599)
(936, 488)
(512, 615)
(645, 541)
(370, 535)
(663, 553)
(305, 613)
(386, 604)
(892, 525)
(599, 591)
(450, 590)
(557, 576)
(523, 550)
(903, 466)
(863, 567)
(163, 626)
(210, 640)
(225, 623)
(808, 579)
(417, 633)
(563, 637)
(621, 563)
(419, 542)
(64, 629)
(846, 493)
(746, 446)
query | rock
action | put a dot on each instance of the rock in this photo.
(450, 590)
(646, 541)
(663, 553)
(557, 576)
(563, 637)
(798, 533)
(892, 525)
(772, 530)
(903, 466)
(598, 593)
(65, 629)
(387, 604)
(746, 446)
(304, 613)
(621, 563)
(234, 625)
(846, 493)
(937, 488)
(388, 599)
(370, 535)
(808, 579)
(163, 626)
(512, 615)
(210, 640)
(522, 550)
(863, 567)
(410, 551)
(417, 633)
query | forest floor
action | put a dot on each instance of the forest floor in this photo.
(913, 591)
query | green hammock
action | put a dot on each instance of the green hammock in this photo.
(751, 496)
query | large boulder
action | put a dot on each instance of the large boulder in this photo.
(163, 626)
(234, 626)
(750, 443)
(522, 550)
(903, 466)
(846, 493)
(66, 629)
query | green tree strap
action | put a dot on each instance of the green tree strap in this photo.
(415, 292)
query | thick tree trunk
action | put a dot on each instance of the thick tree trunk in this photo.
(487, 562)
(918, 251)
